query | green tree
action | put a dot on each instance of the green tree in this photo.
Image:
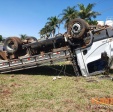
(92, 22)
(68, 14)
(87, 13)
(42, 32)
(23, 36)
(45, 32)
(1, 38)
(54, 23)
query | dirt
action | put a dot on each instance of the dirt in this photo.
(5, 92)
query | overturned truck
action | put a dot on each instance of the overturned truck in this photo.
(89, 48)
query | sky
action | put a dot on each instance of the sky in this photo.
(29, 16)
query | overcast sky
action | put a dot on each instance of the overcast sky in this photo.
(29, 16)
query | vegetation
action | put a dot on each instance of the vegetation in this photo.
(23, 36)
(45, 32)
(69, 14)
(84, 12)
(50, 27)
(1, 38)
(54, 23)
(34, 90)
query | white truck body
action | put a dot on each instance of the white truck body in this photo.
(103, 42)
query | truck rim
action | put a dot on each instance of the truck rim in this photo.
(76, 28)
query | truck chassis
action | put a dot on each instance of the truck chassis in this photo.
(74, 46)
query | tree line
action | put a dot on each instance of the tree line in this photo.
(68, 14)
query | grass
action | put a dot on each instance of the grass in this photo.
(34, 90)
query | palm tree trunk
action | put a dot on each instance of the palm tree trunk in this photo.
(58, 28)
(53, 32)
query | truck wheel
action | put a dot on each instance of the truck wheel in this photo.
(19, 41)
(77, 28)
(12, 44)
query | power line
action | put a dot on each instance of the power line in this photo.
(100, 1)
(107, 9)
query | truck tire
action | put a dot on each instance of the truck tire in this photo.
(12, 44)
(77, 28)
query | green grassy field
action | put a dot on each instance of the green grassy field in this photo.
(34, 90)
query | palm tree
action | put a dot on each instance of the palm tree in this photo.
(42, 33)
(45, 32)
(68, 14)
(86, 12)
(92, 22)
(54, 23)
(23, 36)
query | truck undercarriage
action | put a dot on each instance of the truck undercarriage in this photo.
(89, 49)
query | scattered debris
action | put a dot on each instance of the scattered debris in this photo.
(106, 77)
(91, 80)
(58, 77)
(54, 78)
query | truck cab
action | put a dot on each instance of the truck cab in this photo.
(97, 57)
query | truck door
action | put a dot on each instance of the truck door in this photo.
(92, 55)
(110, 34)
